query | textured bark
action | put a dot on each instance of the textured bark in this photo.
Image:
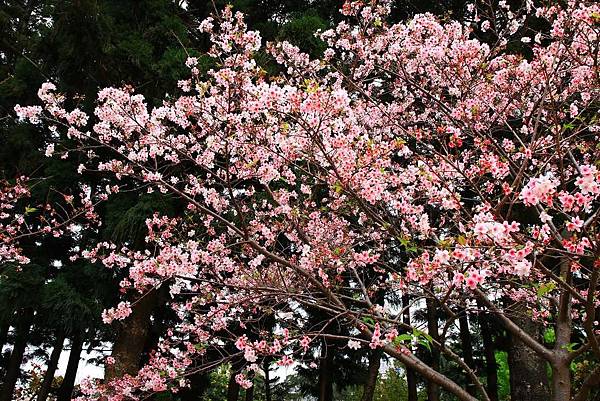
(561, 381)
(374, 364)
(467, 348)
(433, 389)
(233, 388)
(326, 374)
(411, 379)
(128, 347)
(561, 375)
(25, 318)
(489, 353)
(51, 369)
(528, 378)
(66, 388)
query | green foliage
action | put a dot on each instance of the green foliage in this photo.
(549, 335)
(503, 375)
(217, 391)
(19, 288)
(300, 31)
(392, 386)
(125, 216)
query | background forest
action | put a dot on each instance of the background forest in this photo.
(54, 307)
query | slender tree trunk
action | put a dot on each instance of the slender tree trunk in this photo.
(489, 353)
(433, 390)
(411, 379)
(66, 388)
(233, 388)
(250, 391)
(52, 365)
(4, 327)
(199, 382)
(128, 347)
(326, 374)
(374, 364)
(561, 381)
(528, 379)
(467, 348)
(25, 318)
(267, 380)
(561, 375)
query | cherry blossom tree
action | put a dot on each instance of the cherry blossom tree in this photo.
(412, 158)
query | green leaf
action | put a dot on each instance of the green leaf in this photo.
(425, 343)
(29, 210)
(570, 347)
(338, 187)
(368, 320)
(545, 288)
(423, 338)
(549, 335)
(402, 338)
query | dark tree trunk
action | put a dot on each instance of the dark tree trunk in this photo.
(374, 363)
(66, 388)
(198, 384)
(528, 378)
(561, 374)
(467, 347)
(25, 318)
(433, 390)
(489, 353)
(411, 379)
(267, 380)
(129, 345)
(326, 374)
(52, 364)
(233, 388)
(250, 391)
(4, 327)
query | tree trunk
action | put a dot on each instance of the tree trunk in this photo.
(66, 388)
(199, 382)
(51, 369)
(25, 318)
(374, 363)
(411, 379)
(528, 379)
(4, 327)
(128, 347)
(267, 380)
(326, 374)
(561, 375)
(489, 354)
(433, 390)
(250, 391)
(233, 388)
(467, 348)
(561, 381)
